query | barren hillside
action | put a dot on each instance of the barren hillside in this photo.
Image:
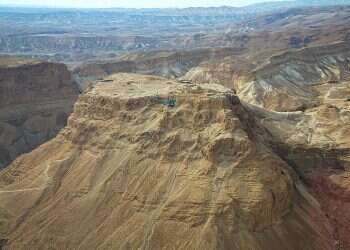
(133, 169)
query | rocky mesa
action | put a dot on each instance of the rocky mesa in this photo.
(151, 163)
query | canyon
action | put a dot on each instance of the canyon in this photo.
(36, 99)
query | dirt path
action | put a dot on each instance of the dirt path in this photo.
(47, 177)
(21, 190)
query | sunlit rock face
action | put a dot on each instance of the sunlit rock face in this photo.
(284, 82)
(315, 142)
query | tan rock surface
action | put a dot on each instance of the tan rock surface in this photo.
(284, 81)
(130, 172)
(316, 143)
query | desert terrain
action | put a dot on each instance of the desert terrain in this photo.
(199, 128)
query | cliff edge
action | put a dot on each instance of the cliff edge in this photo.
(36, 99)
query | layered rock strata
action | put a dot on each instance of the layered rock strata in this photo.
(149, 163)
(36, 99)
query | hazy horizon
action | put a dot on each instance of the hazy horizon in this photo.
(133, 4)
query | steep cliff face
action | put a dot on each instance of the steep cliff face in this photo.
(148, 163)
(316, 143)
(311, 87)
(36, 99)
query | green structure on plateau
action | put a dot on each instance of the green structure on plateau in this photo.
(170, 102)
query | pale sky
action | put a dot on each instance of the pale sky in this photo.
(130, 3)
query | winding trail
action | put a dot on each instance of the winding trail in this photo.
(21, 190)
(47, 177)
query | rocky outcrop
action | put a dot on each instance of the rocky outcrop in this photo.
(316, 144)
(36, 99)
(151, 163)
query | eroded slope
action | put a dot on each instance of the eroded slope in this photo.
(316, 143)
(284, 82)
(132, 170)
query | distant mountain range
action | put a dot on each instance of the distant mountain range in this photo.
(323, 2)
(263, 6)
